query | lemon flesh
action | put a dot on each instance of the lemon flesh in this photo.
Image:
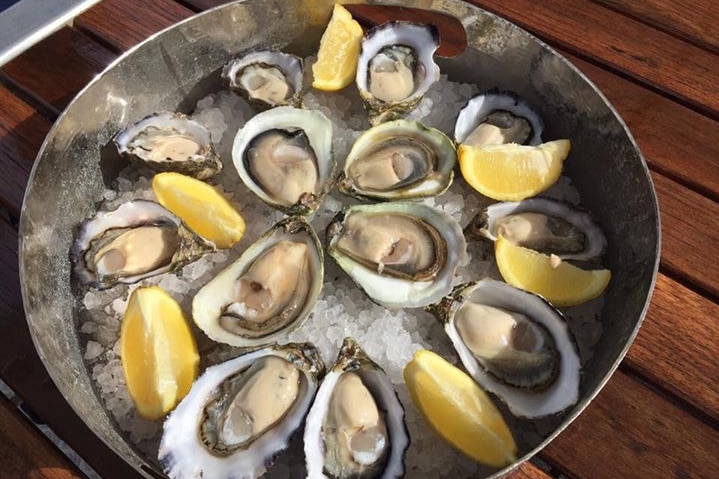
(561, 284)
(339, 50)
(458, 410)
(159, 354)
(512, 172)
(201, 207)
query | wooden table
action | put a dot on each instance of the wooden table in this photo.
(656, 60)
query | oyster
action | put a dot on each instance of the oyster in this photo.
(137, 240)
(284, 156)
(402, 255)
(267, 78)
(355, 428)
(542, 224)
(495, 118)
(271, 289)
(396, 68)
(514, 344)
(170, 141)
(399, 160)
(241, 413)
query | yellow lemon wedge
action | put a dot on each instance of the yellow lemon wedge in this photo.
(201, 207)
(159, 354)
(462, 413)
(560, 283)
(339, 50)
(512, 172)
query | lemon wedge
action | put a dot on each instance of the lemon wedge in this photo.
(201, 207)
(460, 412)
(512, 172)
(560, 283)
(159, 355)
(339, 50)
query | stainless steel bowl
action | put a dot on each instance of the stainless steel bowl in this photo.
(175, 68)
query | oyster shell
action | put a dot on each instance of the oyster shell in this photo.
(396, 68)
(355, 428)
(169, 141)
(399, 160)
(514, 344)
(402, 255)
(267, 78)
(284, 156)
(241, 413)
(542, 224)
(270, 290)
(498, 117)
(137, 240)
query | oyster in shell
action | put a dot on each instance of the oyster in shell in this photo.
(514, 344)
(241, 413)
(169, 141)
(399, 160)
(355, 428)
(270, 290)
(267, 78)
(284, 156)
(396, 68)
(403, 255)
(495, 118)
(137, 240)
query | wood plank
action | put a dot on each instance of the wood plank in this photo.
(690, 233)
(200, 5)
(55, 69)
(678, 344)
(22, 130)
(528, 471)
(638, 50)
(23, 371)
(124, 23)
(629, 431)
(674, 139)
(26, 452)
(688, 19)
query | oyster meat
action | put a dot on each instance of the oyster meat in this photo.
(241, 413)
(271, 289)
(399, 160)
(355, 428)
(514, 344)
(402, 255)
(137, 240)
(284, 156)
(396, 67)
(170, 141)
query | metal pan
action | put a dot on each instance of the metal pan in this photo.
(175, 68)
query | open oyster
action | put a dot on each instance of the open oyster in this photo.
(267, 78)
(496, 118)
(269, 290)
(241, 413)
(137, 240)
(284, 156)
(399, 160)
(396, 68)
(402, 255)
(514, 344)
(170, 141)
(542, 224)
(355, 428)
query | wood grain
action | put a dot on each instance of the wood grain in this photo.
(122, 24)
(630, 432)
(694, 21)
(655, 58)
(26, 453)
(528, 471)
(678, 344)
(54, 70)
